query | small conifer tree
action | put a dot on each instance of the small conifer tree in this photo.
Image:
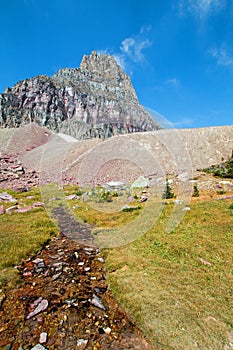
(168, 191)
(195, 191)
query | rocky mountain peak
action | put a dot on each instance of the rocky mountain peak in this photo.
(95, 100)
(98, 62)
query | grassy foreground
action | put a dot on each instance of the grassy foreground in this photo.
(21, 235)
(177, 286)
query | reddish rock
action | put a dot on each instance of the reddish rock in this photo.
(10, 209)
(2, 210)
(38, 204)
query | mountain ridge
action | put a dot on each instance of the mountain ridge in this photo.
(96, 100)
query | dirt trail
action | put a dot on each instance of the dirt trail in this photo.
(66, 282)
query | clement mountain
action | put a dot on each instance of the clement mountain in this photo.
(95, 100)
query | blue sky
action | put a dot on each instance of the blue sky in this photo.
(178, 53)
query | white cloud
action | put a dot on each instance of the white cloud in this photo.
(145, 29)
(133, 48)
(173, 82)
(199, 8)
(222, 56)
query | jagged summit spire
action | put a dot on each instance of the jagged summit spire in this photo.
(95, 61)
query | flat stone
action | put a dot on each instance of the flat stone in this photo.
(71, 196)
(143, 199)
(38, 347)
(96, 301)
(42, 306)
(43, 337)
(38, 204)
(23, 210)
(37, 260)
(82, 343)
(186, 209)
(10, 209)
(4, 196)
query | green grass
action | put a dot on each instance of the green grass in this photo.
(21, 235)
(179, 302)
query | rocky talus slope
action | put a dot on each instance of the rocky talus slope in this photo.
(96, 100)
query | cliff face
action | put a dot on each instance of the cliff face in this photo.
(95, 100)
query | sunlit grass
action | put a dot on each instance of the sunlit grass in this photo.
(180, 302)
(21, 235)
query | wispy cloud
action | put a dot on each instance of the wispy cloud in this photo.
(120, 59)
(201, 9)
(173, 82)
(222, 56)
(132, 49)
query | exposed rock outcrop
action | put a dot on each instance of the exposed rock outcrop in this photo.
(95, 100)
